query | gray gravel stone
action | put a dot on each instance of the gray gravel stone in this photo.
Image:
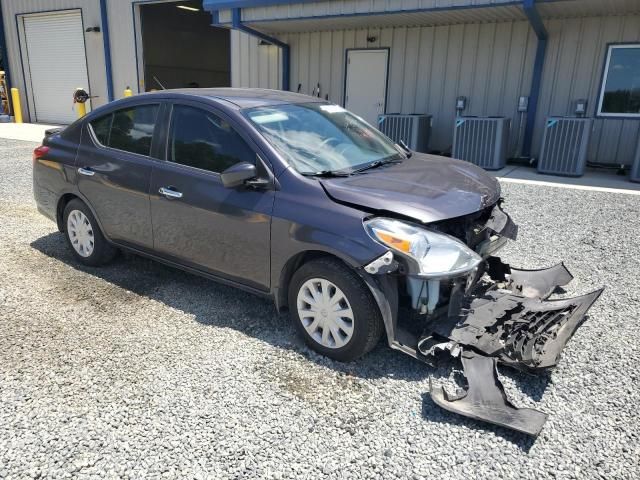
(137, 370)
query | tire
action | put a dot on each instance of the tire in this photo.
(84, 237)
(357, 335)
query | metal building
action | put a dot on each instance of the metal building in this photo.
(373, 56)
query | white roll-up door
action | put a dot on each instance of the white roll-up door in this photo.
(57, 64)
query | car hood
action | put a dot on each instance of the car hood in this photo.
(428, 188)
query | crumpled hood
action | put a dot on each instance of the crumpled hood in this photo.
(428, 188)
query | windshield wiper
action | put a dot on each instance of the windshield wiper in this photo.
(375, 164)
(326, 174)
(406, 149)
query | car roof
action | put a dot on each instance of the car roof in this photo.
(241, 97)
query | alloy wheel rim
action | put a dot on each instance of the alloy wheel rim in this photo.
(80, 233)
(325, 313)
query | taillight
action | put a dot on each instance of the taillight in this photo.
(40, 152)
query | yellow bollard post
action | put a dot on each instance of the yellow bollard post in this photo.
(127, 92)
(80, 96)
(17, 109)
(81, 110)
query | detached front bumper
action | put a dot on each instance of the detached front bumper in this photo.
(510, 322)
(496, 314)
(513, 321)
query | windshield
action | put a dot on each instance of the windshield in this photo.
(320, 137)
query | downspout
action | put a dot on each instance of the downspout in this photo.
(107, 48)
(537, 24)
(286, 51)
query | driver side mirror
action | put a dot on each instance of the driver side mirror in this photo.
(236, 175)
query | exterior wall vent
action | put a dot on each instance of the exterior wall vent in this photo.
(635, 169)
(564, 146)
(414, 130)
(482, 141)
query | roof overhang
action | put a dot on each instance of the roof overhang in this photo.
(275, 16)
(392, 19)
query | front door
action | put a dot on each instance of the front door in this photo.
(114, 170)
(366, 85)
(196, 220)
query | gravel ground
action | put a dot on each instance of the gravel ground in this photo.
(138, 370)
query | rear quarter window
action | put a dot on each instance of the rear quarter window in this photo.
(101, 127)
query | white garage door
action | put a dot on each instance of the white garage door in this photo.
(57, 64)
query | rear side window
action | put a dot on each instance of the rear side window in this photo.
(101, 127)
(203, 140)
(129, 129)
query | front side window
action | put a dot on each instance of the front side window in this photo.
(620, 92)
(319, 137)
(130, 130)
(203, 140)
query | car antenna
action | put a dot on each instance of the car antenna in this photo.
(158, 82)
(299, 87)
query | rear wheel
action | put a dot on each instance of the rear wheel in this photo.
(84, 237)
(333, 310)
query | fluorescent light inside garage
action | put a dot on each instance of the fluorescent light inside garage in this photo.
(191, 9)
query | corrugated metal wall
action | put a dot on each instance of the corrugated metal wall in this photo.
(254, 65)
(93, 44)
(573, 70)
(429, 68)
(490, 63)
(125, 47)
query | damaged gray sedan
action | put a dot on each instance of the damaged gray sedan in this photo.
(296, 199)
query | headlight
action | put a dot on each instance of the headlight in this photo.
(437, 254)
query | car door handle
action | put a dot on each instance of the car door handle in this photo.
(169, 193)
(86, 171)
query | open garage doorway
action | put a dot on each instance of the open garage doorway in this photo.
(181, 48)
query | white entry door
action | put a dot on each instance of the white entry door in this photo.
(57, 64)
(366, 85)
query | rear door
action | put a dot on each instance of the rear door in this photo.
(196, 220)
(114, 170)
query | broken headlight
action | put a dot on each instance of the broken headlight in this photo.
(437, 255)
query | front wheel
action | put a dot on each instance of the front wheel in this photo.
(333, 310)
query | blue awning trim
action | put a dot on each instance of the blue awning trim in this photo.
(229, 4)
(531, 11)
(379, 13)
(224, 4)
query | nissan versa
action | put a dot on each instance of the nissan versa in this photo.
(294, 198)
